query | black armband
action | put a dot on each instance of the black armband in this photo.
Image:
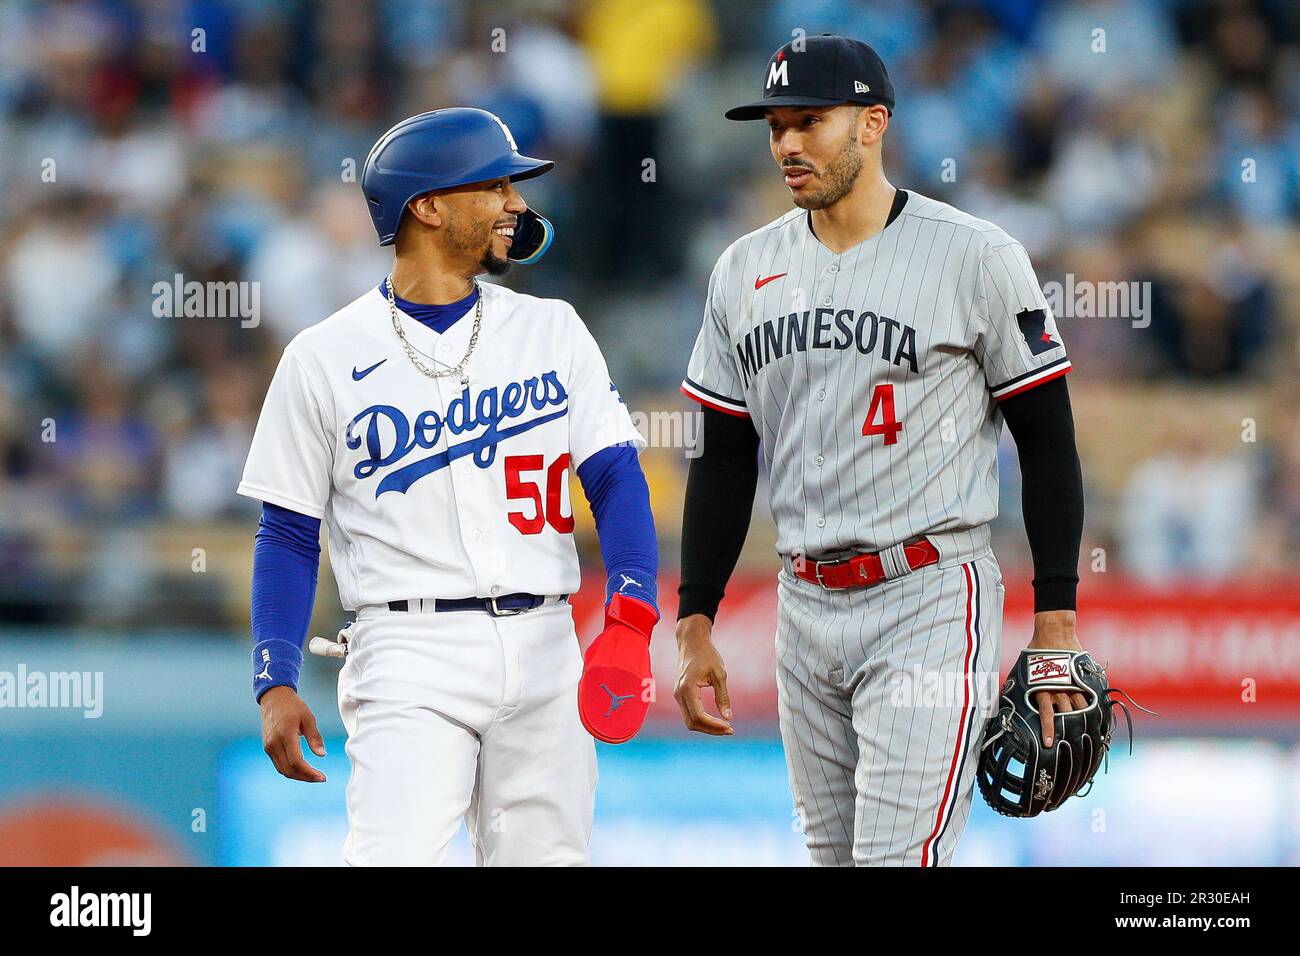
(1042, 424)
(720, 488)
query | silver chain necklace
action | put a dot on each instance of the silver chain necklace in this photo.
(459, 368)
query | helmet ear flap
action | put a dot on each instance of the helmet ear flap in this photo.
(533, 235)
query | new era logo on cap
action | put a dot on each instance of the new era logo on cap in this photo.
(860, 87)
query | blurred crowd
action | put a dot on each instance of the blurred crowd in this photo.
(149, 142)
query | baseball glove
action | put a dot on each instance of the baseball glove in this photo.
(1019, 776)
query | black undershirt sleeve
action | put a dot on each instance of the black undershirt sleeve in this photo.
(720, 488)
(1041, 422)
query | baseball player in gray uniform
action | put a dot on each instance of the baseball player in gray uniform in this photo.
(871, 342)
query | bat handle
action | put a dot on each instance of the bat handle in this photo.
(324, 648)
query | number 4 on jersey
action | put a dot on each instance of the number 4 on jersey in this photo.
(882, 407)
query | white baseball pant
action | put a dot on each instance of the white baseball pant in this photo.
(460, 715)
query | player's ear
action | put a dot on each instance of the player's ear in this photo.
(425, 209)
(872, 123)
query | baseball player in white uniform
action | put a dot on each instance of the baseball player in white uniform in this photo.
(871, 342)
(432, 425)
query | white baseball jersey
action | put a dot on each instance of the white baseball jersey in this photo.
(872, 375)
(432, 488)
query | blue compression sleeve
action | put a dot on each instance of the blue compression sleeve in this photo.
(620, 502)
(286, 558)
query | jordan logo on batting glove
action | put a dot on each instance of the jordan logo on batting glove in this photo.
(614, 693)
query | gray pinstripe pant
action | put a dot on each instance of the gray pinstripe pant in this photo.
(883, 693)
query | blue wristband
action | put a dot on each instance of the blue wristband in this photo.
(633, 582)
(276, 663)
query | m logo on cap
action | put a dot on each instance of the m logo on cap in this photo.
(778, 71)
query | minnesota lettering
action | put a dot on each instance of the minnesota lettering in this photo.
(841, 329)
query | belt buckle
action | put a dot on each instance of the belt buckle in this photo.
(507, 612)
(817, 572)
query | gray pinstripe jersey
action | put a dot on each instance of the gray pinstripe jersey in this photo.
(872, 376)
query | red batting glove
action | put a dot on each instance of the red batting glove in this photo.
(617, 687)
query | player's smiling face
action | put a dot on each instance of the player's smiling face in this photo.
(479, 222)
(819, 150)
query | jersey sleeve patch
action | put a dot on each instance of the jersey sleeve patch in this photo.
(1037, 376)
(719, 403)
(1033, 326)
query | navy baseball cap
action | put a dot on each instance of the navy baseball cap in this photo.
(829, 70)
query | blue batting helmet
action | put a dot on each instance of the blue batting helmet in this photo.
(445, 148)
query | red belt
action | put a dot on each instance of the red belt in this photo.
(863, 570)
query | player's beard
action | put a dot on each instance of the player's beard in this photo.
(493, 264)
(464, 238)
(837, 178)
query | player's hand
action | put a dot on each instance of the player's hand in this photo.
(1054, 630)
(285, 718)
(700, 665)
